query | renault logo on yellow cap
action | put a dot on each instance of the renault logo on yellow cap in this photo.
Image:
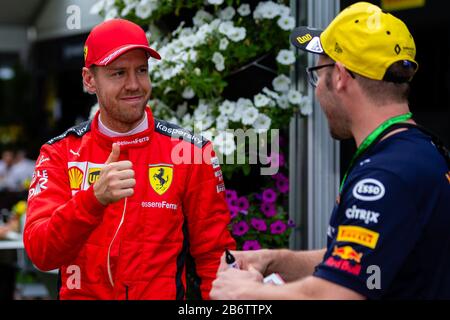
(305, 38)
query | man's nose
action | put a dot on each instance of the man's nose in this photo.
(132, 83)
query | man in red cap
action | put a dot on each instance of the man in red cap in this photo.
(110, 204)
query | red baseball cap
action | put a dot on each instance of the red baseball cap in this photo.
(112, 38)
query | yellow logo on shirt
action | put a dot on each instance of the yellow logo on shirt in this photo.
(94, 174)
(359, 235)
(160, 176)
(75, 178)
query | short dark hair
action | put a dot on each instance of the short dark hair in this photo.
(395, 86)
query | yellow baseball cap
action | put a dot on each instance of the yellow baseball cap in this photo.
(363, 38)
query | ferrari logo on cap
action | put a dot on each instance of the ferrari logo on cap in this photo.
(85, 51)
(160, 176)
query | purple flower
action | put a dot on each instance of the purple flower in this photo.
(232, 203)
(283, 185)
(279, 176)
(269, 196)
(268, 209)
(258, 224)
(291, 223)
(251, 245)
(240, 228)
(233, 211)
(230, 195)
(243, 204)
(278, 227)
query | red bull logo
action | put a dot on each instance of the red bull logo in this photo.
(347, 253)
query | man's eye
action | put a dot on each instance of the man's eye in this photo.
(118, 74)
(143, 70)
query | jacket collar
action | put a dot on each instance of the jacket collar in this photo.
(134, 141)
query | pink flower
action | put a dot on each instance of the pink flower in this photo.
(233, 211)
(230, 195)
(258, 224)
(276, 160)
(268, 209)
(291, 223)
(269, 196)
(283, 185)
(240, 228)
(278, 227)
(251, 245)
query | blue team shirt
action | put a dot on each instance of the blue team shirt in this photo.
(389, 234)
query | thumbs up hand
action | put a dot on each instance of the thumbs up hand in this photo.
(116, 179)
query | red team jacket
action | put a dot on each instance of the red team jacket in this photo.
(134, 248)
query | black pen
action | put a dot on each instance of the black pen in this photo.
(230, 260)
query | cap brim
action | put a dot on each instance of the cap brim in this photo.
(117, 52)
(307, 39)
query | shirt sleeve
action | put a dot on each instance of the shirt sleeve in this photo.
(207, 215)
(376, 227)
(57, 224)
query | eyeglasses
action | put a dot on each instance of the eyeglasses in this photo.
(313, 76)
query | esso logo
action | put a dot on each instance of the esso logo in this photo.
(369, 190)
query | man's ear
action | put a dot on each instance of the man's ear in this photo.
(342, 76)
(89, 80)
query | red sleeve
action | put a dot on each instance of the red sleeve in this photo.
(208, 217)
(57, 224)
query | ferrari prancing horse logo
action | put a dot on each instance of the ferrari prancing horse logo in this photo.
(160, 176)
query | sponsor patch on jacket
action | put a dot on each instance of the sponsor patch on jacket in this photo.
(78, 130)
(364, 215)
(82, 175)
(177, 132)
(358, 235)
(369, 190)
(38, 183)
(160, 177)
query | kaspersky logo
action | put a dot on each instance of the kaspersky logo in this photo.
(347, 253)
(160, 176)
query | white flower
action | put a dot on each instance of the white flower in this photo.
(219, 61)
(223, 44)
(294, 97)
(130, 2)
(286, 23)
(111, 14)
(285, 57)
(262, 123)
(222, 122)
(306, 107)
(188, 93)
(181, 109)
(261, 100)
(145, 8)
(97, 7)
(227, 107)
(197, 71)
(281, 83)
(244, 10)
(244, 103)
(201, 17)
(125, 11)
(186, 121)
(236, 116)
(201, 112)
(284, 11)
(203, 124)
(237, 34)
(267, 10)
(215, 2)
(283, 102)
(227, 13)
(226, 27)
(270, 93)
(249, 115)
(224, 143)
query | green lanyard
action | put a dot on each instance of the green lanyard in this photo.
(371, 138)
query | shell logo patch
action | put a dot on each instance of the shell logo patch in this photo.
(75, 178)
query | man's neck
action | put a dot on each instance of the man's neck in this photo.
(367, 122)
(137, 128)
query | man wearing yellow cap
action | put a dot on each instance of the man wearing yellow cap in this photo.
(388, 233)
